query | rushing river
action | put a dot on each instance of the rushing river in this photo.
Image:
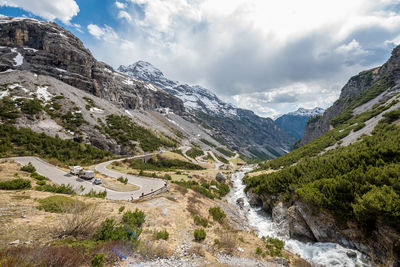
(318, 254)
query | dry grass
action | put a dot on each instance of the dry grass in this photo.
(171, 156)
(152, 250)
(79, 220)
(227, 242)
(197, 250)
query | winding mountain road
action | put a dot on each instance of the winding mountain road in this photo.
(147, 185)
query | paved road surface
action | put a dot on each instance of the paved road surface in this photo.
(61, 177)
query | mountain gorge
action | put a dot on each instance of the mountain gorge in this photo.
(342, 184)
(241, 129)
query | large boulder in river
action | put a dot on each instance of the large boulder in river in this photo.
(240, 202)
(220, 177)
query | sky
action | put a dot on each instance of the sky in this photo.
(271, 57)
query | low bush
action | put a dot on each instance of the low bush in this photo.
(161, 235)
(28, 168)
(136, 218)
(225, 152)
(121, 209)
(98, 260)
(93, 193)
(199, 235)
(15, 184)
(37, 176)
(60, 189)
(217, 213)
(123, 180)
(200, 221)
(274, 247)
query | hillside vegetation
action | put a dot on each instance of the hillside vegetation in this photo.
(24, 142)
(358, 182)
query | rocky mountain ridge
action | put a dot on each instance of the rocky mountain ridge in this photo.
(46, 48)
(364, 86)
(241, 129)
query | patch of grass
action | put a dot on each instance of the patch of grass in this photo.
(57, 204)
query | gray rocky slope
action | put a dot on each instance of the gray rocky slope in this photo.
(371, 82)
(241, 129)
(44, 62)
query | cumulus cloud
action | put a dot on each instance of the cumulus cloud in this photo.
(255, 50)
(105, 33)
(120, 5)
(63, 10)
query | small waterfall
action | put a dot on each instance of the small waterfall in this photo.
(318, 254)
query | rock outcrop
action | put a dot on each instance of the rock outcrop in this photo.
(301, 223)
(48, 49)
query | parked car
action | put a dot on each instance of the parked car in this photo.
(86, 174)
(97, 181)
(74, 170)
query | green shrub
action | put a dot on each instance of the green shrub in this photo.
(199, 235)
(216, 241)
(200, 221)
(15, 184)
(217, 213)
(121, 209)
(41, 182)
(61, 189)
(123, 180)
(93, 193)
(167, 177)
(31, 106)
(258, 251)
(98, 260)
(57, 204)
(222, 159)
(274, 247)
(111, 230)
(136, 218)
(28, 168)
(38, 177)
(161, 235)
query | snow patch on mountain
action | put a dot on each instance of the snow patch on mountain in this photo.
(194, 97)
(307, 112)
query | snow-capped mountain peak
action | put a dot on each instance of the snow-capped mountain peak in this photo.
(307, 112)
(143, 69)
(194, 97)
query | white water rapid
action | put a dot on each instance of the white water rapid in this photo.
(318, 254)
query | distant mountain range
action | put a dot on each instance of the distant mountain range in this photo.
(295, 122)
(240, 129)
